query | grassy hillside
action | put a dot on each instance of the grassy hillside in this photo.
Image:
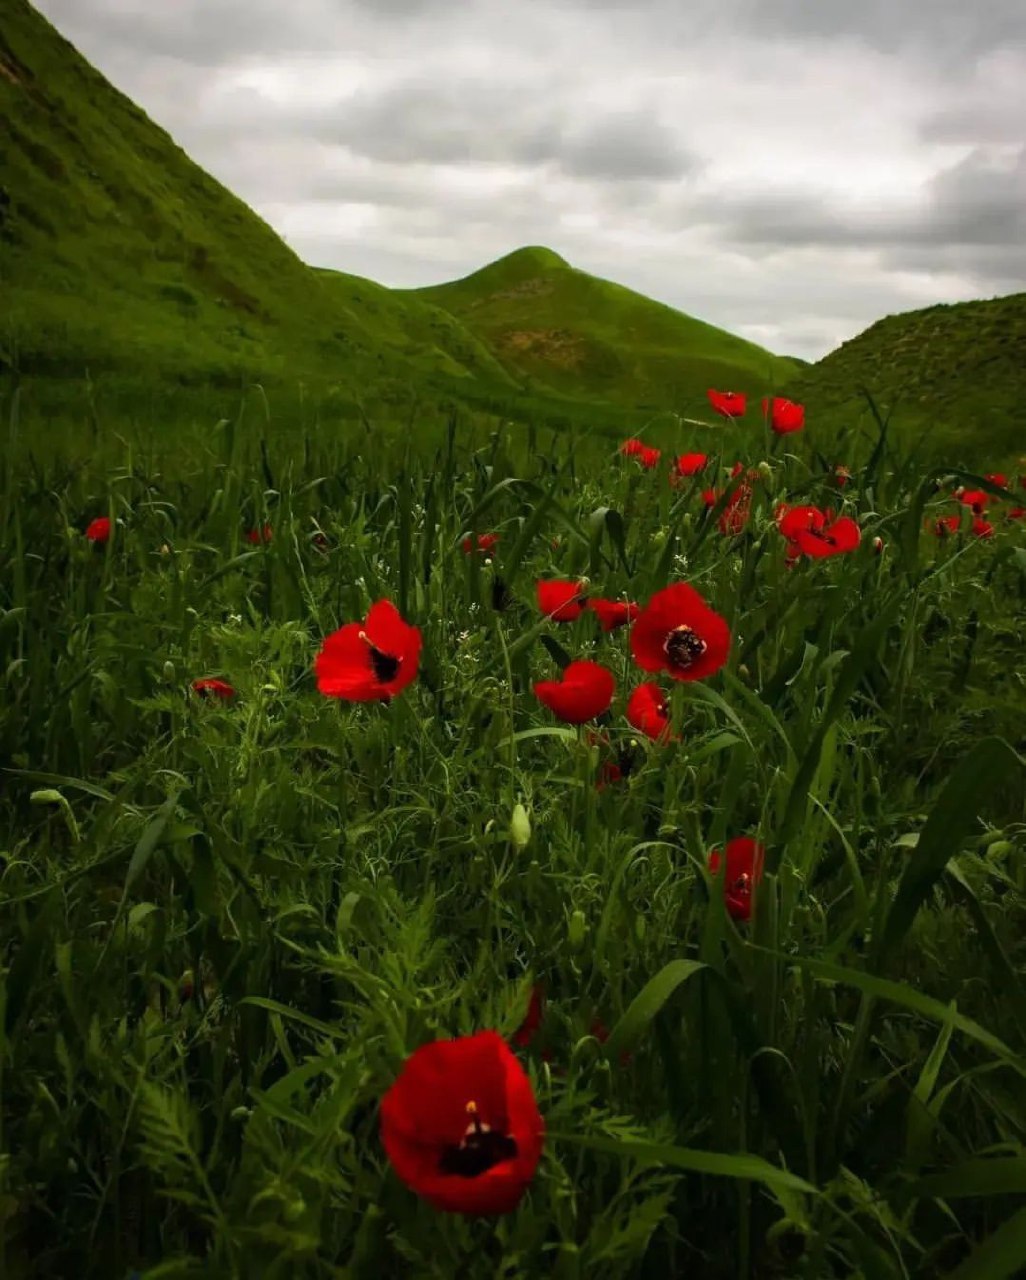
(953, 375)
(565, 329)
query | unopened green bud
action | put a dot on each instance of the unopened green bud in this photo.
(999, 849)
(765, 470)
(169, 673)
(576, 931)
(520, 827)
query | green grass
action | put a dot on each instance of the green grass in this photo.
(833, 1091)
(952, 377)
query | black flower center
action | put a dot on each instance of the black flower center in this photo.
(480, 1149)
(385, 666)
(683, 647)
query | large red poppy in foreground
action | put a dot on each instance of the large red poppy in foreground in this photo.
(461, 1126)
(562, 601)
(743, 872)
(678, 633)
(583, 692)
(376, 658)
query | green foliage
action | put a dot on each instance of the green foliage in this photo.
(225, 925)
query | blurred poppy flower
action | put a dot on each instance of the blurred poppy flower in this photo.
(785, 416)
(609, 773)
(794, 520)
(678, 633)
(831, 539)
(998, 478)
(947, 524)
(376, 658)
(1017, 513)
(482, 542)
(982, 528)
(841, 475)
(524, 1034)
(601, 1033)
(99, 529)
(256, 536)
(710, 497)
(736, 470)
(743, 872)
(560, 600)
(649, 457)
(461, 1125)
(736, 513)
(584, 690)
(216, 688)
(728, 404)
(976, 499)
(613, 613)
(689, 464)
(648, 713)
(632, 448)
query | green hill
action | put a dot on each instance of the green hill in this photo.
(569, 331)
(953, 376)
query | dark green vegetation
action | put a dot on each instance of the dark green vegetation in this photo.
(953, 378)
(224, 925)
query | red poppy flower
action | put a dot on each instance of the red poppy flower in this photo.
(257, 536)
(829, 540)
(947, 524)
(584, 691)
(217, 688)
(982, 528)
(735, 514)
(689, 464)
(794, 520)
(710, 497)
(99, 529)
(729, 404)
(678, 633)
(484, 542)
(461, 1125)
(631, 448)
(998, 478)
(609, 772)
(977, 499)
(560, 600)
(376, 658)
(744, 871)
(841, 475)
(613, 613)
(524, 1034)
(785, 415)
(649, 458)
(736, 470)
(648, 713)
(1022, 482)
(1017, 513)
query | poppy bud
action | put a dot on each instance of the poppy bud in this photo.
(765, 470)
(520, 827)
(874, 787)
(240, 1113)
(576, 931)
(165, 550)
(743, 671)
(169, 673)
(999, 849)
(878, 545)
(186, 986)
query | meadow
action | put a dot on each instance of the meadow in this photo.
(233, 903)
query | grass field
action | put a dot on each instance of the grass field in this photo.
(227, 923)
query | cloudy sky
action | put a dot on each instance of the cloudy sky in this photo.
(789, 169)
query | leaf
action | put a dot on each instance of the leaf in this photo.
(1001, 1255)
(983, 1176)
(718, 1164)
(647, 1003)
(283, 1010)
(899, 993)
(952, 818)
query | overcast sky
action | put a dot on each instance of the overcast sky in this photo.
(789, 169)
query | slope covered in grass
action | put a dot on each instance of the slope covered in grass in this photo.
(565, 329)
(954, 375)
